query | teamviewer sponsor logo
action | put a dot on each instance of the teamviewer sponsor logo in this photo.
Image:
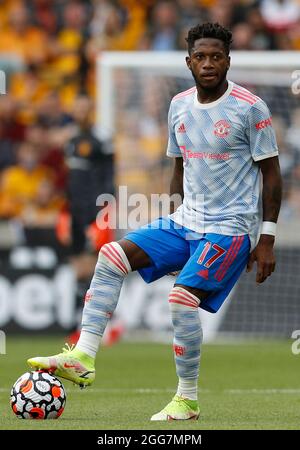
(188, 154)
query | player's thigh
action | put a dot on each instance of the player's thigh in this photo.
(137, 257)
(158, 245)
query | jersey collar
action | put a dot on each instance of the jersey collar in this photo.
(199, 105)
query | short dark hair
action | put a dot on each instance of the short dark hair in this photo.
(209, 30)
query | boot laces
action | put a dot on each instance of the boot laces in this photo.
(68, 348)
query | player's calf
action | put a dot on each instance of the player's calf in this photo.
(186, 345)
(77, 365)
(187, 332)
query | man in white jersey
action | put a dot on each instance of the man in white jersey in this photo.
(222, 140)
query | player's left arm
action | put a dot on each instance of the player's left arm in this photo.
(263, 253)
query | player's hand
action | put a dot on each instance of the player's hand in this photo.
(174, 274)
(263, 254)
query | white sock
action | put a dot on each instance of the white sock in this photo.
(88, 343)
(188, 388)
(102, 296)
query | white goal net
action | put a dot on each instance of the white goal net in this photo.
(134, 92)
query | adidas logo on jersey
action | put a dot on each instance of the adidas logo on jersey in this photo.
(181, 128)
(203, 274)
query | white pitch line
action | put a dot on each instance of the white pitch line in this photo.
(120, 390)
(161, 391)
(262, 391)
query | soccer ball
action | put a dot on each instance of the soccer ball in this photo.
(38, 395)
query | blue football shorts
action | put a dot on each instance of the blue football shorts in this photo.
(211, 262)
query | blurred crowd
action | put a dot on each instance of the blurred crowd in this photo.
(47, 116)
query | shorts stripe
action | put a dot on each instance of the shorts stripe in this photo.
(233, 254)
(230, 257)
(236, 251)
(226, 258)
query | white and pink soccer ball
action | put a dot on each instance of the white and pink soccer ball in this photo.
(38, 395)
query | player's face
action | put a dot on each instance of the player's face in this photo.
(208, 63)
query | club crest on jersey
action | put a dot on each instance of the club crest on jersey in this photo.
(222, 128)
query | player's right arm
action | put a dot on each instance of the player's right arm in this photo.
(176, 185)
(173, 151)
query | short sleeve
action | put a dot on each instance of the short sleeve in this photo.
(173, 149)
(260, 132)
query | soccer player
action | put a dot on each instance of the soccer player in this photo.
(222, 141)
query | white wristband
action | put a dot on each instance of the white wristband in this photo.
(268, 228)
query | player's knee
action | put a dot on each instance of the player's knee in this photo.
(113, 256)
(180, 298)
(199, 293)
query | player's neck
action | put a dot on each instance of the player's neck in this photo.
(208, 96)
(84, 127)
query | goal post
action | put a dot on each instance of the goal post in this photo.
(134, 90)
(279, 65)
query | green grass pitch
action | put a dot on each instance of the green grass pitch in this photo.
(247, 386)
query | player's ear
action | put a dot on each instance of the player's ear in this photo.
(188, 62)
(228, 62)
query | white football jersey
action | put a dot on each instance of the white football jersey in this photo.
(220, 143)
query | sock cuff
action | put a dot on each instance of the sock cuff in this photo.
(115, 256)
(188, 388)
(183, 298)
(122, 254)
